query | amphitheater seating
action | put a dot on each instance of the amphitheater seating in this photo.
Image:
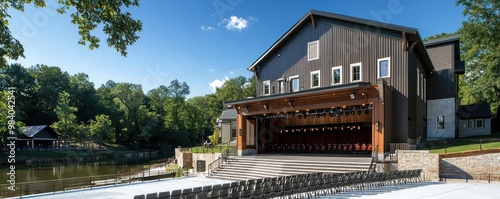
(300, 186)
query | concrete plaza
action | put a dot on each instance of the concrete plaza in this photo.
(444, 190)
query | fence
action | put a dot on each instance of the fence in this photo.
(203, 149)
(48, 186)
(467, 177)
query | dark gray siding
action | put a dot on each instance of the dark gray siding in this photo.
(417, 107)
(442, 81)
(339, 46)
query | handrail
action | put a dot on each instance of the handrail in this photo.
(220, 160)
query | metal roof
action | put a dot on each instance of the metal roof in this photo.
(228, 114)
(31, 131)
(442, 40)
(474, 111)
(412, 31)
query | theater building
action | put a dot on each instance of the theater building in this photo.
(334, 83)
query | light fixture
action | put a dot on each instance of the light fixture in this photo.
(359, 127)
(266, 106)
(367, 111)
(359, 111)
(290, 103)
(353, 95)
(353, 112)
(331, 112)
(370, 106)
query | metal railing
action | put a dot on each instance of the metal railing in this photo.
(223, 158)
(63, 185)
(482, 177)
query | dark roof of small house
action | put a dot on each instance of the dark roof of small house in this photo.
(474, 111)
(412, 33)
(228, 114)
(442, 40)
(31, 131)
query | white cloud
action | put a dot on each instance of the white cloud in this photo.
(211, 70)
(208, 28)
(236, 23)
(217, 83)
(231, 72)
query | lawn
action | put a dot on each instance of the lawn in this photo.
(464, 144)
(216, 149)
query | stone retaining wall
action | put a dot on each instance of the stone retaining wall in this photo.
(421, 159)
(471, 167)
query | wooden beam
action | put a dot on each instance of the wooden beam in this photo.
(404, 42)
(312, 21)
(412, 46)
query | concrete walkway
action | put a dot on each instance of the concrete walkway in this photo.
(453, 190)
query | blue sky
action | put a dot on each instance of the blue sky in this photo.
(202, 42)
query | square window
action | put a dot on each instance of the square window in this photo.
(479, 123)
(337, 75)
(315, 79)
(313, 50)
(440, 122)
(267, 87)
(384, 67)
(294, 84)
(356, 72)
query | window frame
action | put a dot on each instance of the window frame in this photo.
(351, 66)
(424, 90)
(388, 59)
(437, 122)
(309, 49)
(319, 78)
(268, 83)
(482, 124)
(291, 78)
(333, 75)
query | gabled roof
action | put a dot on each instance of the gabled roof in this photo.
(32, 131)
(228, 114)
(412, 33)
(474, 111)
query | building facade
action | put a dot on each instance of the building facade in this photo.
(227, 125)
(337, 81)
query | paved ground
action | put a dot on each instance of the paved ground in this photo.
(453, 190)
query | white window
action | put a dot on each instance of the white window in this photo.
(267, 87)
(479, 123)
(315, 79)
(337, 75)
(313, 50)
(281, 87)
(440, 122)
(294, 83)
(418, 82)
(384, 67)
(356, 72)
(421, 85)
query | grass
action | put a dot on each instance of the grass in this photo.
(464, 144)
(216, 149)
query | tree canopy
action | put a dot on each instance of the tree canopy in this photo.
(480, 40)
(119, 25)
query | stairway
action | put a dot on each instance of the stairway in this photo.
(262, 166)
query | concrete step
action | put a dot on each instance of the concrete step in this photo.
(255, 167)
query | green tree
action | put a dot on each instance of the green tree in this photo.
(101, 129)
(50, 82)
(214, 139)
(5, 117)
(120, 27)
(66, 126)
(480, 41)
(440, 35)
(237, 88)
(83, 96)
(17, 76)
